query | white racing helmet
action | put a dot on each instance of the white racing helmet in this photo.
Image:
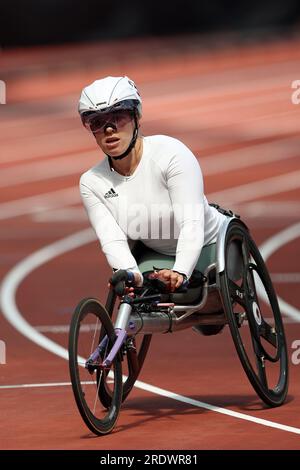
(109, 95)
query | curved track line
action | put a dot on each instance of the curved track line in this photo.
(14, 278)
(269, 247)
(257, 189)
(8, 304)
(40, 202)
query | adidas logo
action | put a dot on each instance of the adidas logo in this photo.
(110, 193)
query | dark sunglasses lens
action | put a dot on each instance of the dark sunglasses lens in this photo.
(124, 116)
(96, 123)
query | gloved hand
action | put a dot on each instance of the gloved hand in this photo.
(123, 282)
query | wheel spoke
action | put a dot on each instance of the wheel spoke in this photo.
(248, 278)
(237, 293)
(260, 362)
(94, 336)
(97, 394)
(269, 334)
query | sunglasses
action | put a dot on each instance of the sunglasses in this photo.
(96, 122)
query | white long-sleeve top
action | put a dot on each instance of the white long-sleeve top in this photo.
(162, 203)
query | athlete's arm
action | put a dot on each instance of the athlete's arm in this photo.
(185, 185)
(113, 240)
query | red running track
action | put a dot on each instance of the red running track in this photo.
(233, 107)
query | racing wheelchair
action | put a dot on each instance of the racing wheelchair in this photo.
(230, 287)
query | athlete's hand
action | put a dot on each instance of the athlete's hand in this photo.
(119, 280)
(128, 290)
(169, 277)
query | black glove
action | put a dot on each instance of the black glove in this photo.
(120, 280)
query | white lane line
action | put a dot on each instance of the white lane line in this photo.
(51, 168)
(286, 278)
(255, 154)
(271, 209)
(52, 384)
(209, 113)
(175, 396)
(40, 203)
(269, 247)
(10, 311)
(64, 328)
(217, 409)
(53, 328)
(266, 187)
(70, 214)
(44, 146)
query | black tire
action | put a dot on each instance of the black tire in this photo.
(90, 323)
(256, 325)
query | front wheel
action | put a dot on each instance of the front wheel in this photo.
(91, 326)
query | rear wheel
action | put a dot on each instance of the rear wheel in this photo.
(254, 316)
(90, 327)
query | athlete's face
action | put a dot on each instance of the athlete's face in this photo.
(114, 132)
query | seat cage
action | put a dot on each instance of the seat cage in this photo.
(207, 298)
(211, 300)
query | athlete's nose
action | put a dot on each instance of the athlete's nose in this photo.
(109, 127)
